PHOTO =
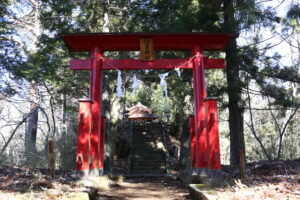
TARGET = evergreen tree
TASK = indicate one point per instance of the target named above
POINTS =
(10, 49)
(234, 89)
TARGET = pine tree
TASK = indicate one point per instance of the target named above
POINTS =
(234, 90)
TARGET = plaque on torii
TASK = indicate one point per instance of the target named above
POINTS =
(205, 148)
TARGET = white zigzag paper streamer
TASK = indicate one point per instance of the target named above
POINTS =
(163, 83)
(135, 84)
(119, 85)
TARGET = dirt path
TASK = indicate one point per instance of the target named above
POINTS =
(147, 189)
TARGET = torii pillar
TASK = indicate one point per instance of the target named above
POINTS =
(90, 147)
(96, 76)
(205, 147)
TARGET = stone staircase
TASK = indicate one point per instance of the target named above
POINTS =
(148, 154)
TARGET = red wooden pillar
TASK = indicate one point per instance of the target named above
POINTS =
(192, 140)
(84, 131)
(200, 111)
(96, 96)
(213, 134)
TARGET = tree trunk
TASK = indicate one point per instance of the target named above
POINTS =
(234, 89)
(32, 124)
(32, 120)
(64, 133)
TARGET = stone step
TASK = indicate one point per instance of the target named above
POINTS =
(149, 145)
(147, 149)
(160, 165)
(151, 162)
(149, 157)
(158, 148)
(146, 125)
(150, 130)
(148, 163)
(146, 129)
(153, 147)
(140, 141)
(147, 152)
(152, 157)
(136, 133)
(150, 152)
(146, 157)
(149, 135)
(145, 140)
(142, 167)
(145, 172)
(142, 137)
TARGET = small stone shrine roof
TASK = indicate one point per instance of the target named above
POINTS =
(140, 112)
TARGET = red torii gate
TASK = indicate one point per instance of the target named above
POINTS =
(205, 148)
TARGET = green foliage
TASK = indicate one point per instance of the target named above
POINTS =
(293, 17)
(175, 16)
(152, 96)
(9, 51)
(57, 16)
(9, 54)
(50, 66)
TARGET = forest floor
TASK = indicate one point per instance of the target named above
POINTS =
(37, 184)
(275, 180)
(265, 180)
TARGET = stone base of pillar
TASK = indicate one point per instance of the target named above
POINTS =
(94, 172)
(91, 172)
(204, 172)
(101, 172)
(83, 173)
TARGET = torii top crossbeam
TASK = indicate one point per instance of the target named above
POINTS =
(131, 41)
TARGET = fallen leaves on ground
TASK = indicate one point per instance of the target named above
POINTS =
(276, 180)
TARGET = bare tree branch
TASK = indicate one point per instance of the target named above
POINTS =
(253, 128)
(274, 118)
(14, 131)
(284, 129)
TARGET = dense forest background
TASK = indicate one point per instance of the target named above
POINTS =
(258, 92)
